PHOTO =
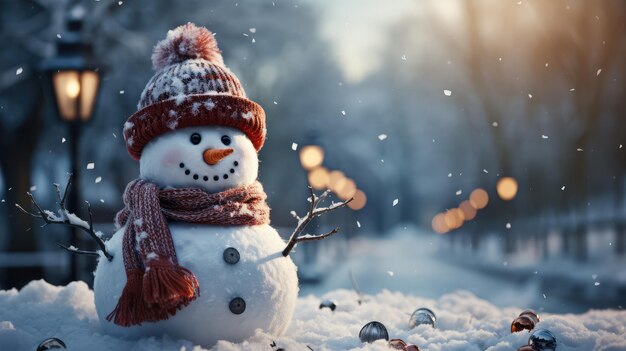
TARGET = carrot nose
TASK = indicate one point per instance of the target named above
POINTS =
(213, 156)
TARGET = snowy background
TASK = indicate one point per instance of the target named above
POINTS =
(419, 103)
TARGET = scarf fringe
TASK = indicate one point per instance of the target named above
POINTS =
(131, 308)
(169, 285)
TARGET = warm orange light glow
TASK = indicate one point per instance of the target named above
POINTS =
(469, 212)
(72, 88)
(311, 156)
(454, 218)
(347, 190)
(336, 181)
(359, 201)
(439, 224)
(507, 188)
(479, 198)
(318, 178)
(75, 93)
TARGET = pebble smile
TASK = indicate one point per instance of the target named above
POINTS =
(195, 176)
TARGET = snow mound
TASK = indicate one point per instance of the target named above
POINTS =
(464, 323)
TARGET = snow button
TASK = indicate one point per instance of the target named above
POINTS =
(237, 305)
(231, 255)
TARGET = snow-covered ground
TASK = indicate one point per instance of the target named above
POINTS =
(398, 274)
(465, 323)
(418, 263)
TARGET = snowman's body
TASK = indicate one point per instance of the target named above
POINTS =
(262, 277)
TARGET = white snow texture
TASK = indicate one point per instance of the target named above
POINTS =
(464, 323)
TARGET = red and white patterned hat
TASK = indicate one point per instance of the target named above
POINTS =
(192, 87)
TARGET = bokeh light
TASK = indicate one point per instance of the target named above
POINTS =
(311, 156)
(439, 224)
(469, 212)
(318, 178)
(347, 190)
(479, 198)
(507, 188)
(454, 218)
(336, 180)
(359, 200)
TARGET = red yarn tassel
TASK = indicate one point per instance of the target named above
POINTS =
(169, 286)
(131, 308)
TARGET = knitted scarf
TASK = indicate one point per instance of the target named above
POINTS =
(157, 286)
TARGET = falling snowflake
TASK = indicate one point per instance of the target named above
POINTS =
(19, 71)
(403, 57)
(530, 96)
(598, 71)
(91, 165)
(382, 137)
(494, 124)
(544, 136)
(484, 170)
(33, 188)
(459, 192)
(508, 226)
(358, 224)
(98, 180)
(596, 283)
(343, 112)
(395, 202)
(252, 30)
(294, 146)
(390, 273)
(563, 188)
(447, 92)
(121, 92)
(449, 175)
(63, 140)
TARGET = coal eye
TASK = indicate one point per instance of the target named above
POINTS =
(225, 140)
(195, 138)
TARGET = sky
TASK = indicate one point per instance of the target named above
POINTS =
(356, 29)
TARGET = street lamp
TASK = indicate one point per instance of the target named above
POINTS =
(73, 75)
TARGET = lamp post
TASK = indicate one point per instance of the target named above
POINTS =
(74, 78)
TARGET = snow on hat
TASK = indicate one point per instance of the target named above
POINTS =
(192, 87)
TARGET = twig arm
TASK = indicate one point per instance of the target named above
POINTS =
(65, 217)
(313, 212)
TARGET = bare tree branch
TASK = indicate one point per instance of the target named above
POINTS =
(76, 251)
(65, 217)
(313, 212)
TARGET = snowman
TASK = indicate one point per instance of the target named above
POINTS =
(194, 256)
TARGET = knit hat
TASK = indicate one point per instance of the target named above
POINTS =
(192, 87)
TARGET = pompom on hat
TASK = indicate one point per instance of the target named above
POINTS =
(192, 87)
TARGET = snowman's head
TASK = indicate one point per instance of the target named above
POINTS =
(211, 158)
